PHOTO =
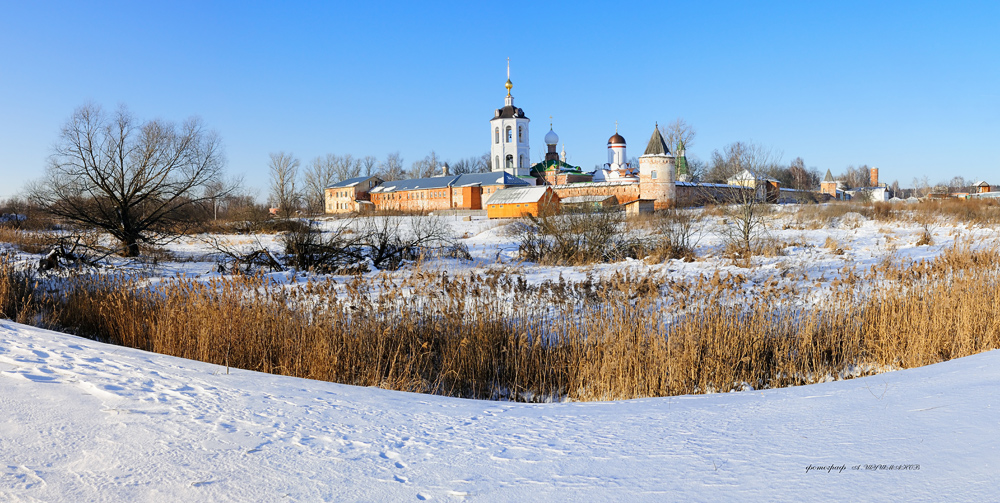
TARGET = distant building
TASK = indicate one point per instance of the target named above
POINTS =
(510, 149)
(554, 170)
(617, 169)
(657, 172)
(349, 196)
(465, 192)
(517, 202)
(767, 189)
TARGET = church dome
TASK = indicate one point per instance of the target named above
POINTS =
(617, 138)
(551, 138)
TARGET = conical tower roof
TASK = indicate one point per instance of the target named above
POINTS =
(828, 177)
(656, 145)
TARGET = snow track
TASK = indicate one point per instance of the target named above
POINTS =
(84, 421)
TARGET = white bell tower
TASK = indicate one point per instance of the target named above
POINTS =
(509, 149)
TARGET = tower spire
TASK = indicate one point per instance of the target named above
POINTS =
(509, 84)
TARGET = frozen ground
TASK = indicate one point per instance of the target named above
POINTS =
(83, 421)
(807, 258)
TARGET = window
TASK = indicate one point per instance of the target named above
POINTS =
(510, 161)
(496, 135)
(496, 163)
(520, 134)
(653, 174)
(509, 135)
(521, 164)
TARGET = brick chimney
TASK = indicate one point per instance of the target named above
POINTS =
(874, 177)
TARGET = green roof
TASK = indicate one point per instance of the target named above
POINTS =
(560, 166)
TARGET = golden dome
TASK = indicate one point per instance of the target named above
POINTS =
(508, 85)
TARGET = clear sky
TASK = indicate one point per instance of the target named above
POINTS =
(910, 87)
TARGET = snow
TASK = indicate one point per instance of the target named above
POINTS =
(84, 421)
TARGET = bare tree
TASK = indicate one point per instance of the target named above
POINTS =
(959, 184)
(137, 181)
(856, 177)
(426, 167)
(284, 170)
(392, 168)
(677, 132)
(369, 165)
(474, 164)
(319, 175)
(921, 186)
(747, 194)
(485, 163)
(346, 166)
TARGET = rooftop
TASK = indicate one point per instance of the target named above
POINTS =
(350, 182)
(656, 145)
(514, 195)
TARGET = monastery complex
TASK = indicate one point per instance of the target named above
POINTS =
(515, 187)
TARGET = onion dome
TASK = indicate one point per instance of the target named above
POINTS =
(551, 138)
(617, 138)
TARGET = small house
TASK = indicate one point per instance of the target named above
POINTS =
(517, 202)
(639, 207)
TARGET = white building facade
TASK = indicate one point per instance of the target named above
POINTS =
(617, 169)
(509, 149)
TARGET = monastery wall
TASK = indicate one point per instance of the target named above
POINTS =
(624, 192)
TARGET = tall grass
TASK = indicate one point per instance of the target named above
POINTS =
(493, 336)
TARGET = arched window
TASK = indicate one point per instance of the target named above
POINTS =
(509, 135)
(520, 134)
(521, 164)
(496, 162)
(496, 135)
(510, 158)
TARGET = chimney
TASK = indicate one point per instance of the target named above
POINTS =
(444, 169)
(874, 177)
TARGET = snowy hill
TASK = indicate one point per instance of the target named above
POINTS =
(84, 421)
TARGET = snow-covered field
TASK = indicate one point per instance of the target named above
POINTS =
(84, 421)
(807, 259)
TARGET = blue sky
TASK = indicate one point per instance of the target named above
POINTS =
(910, 87)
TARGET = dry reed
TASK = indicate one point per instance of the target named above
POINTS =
(493, 336)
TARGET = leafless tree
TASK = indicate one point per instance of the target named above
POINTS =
(426, 167)
(745, 222)
(677, 132)
(485, 163)
(369, 165)
(320, 174)
(346, 166)
(894, 188)
(392, 168)
(474, 164)
(856, 177)
(921, 186)
(138, 181)
(959, 184)
(284, 170)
